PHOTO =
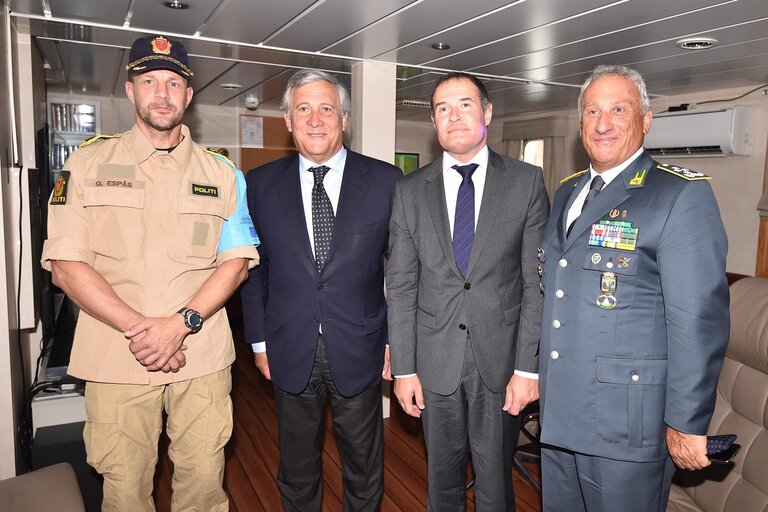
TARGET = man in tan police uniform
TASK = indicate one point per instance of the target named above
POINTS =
(149, 234)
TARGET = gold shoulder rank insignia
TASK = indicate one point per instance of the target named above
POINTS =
(221, 157)
(684, 173)
(574, 175)
(94, 139)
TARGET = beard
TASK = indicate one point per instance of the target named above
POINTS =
(161, 123)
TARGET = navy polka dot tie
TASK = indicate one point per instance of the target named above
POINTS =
(322, 217)
(464, 220)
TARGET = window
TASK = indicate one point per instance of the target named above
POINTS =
(533, 151)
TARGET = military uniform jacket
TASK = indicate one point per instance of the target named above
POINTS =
(636, 319)
(155, 225)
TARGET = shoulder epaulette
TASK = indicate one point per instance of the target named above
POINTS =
(94, 139)
(684, 173)
(219, 156)
(574, 175)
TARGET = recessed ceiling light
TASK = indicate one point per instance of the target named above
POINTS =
(696, 43)
(175, 4)
(231, 87)
(441, 46)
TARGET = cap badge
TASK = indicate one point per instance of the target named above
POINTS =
(161, 45)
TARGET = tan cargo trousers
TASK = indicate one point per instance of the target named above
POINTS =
(122, 432)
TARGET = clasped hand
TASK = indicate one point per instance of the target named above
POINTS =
(157, 343)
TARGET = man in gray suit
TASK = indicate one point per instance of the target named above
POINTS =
(464, 302)
(635, 318)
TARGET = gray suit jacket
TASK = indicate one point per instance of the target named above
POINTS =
(432, 307)
(612, 378)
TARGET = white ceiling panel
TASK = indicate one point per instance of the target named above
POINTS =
(260, 43)
(594, 35)
(153, 16)
(420, 22)
(332, 21)
(251, 22)
(516, 20)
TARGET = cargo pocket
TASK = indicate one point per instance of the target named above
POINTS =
(631, 398)
(115, 221)
(219, 426)
(102, 439)
(198, 229)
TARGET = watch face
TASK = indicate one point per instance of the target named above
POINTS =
(194, 320)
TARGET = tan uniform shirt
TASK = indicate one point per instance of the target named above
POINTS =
(150, 223)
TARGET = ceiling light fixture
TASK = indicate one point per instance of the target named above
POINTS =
(175, 4)
(696, 43)
(231, 87)
(441, 46)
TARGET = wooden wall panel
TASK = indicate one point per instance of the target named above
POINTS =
(278, 143)
(761, 268)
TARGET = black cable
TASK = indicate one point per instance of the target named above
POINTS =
(718, 101)
(733, 99)
(18, 285)
(24, 428)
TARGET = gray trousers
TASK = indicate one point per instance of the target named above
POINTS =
(574, 482)
(471, 417)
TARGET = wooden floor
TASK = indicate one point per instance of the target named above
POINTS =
(252, 456)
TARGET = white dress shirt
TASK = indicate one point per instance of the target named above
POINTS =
(608, 176)
(332, 185)
(451, 181)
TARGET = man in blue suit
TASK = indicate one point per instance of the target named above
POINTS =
(316, 302)
(636, 319)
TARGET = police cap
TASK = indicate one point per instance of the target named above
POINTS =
(157, 52)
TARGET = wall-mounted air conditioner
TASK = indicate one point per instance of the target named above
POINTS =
(693, 133)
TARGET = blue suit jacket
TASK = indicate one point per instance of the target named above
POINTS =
(285, 300)
(612, 378)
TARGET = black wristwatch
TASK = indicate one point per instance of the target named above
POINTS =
(192, 319)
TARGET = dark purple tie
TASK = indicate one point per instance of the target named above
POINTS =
(464, 220)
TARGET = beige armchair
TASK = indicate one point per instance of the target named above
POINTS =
(52, 488)
(742, 409)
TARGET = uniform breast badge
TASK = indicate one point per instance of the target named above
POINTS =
(607, 300)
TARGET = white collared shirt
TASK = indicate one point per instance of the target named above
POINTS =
(608, 176)
(332, 185)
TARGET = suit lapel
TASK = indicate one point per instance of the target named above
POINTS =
(496, 189)
(354, 186)
(610, 197)
(435, 192)
(288, 188)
